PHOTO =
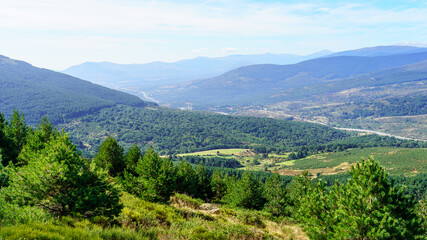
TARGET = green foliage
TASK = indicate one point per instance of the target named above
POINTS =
(275, 195)
(132, 157)
(49, 231)
(369, 206)
(251, 218)
(247, 193)
(183, 200)
(154, 179)
(38, 92)
(37, 141)
(12, 214)
(174, 131)
(407, 161)
(186, 179)
(16, 131)
(219, 185)
(111, 157)
(58, 180)
(204, 189)
(210, 161)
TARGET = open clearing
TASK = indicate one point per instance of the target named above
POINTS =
(407, 161)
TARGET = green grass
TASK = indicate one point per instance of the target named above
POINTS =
(408, 161)
(214, 152)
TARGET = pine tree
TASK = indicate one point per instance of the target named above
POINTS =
(37, 140)
(60, 181)
(132, 157)
(247, 193)
(204, 189)
(16, 131)
(372, 207)
(111, 157)
(186, 179)
(369, 206)
(275, 194)
(155, 179)
(219, 185)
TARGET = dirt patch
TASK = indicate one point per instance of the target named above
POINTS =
(391, 153)
(245, 153)
(343, 167)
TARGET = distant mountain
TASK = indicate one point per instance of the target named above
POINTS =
(379, 51)
(37, 92)
(155, 74)
(259, 84)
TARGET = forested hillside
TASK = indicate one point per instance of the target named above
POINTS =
(49, 191)
(267, 84)
(175, 131)
(37, 92)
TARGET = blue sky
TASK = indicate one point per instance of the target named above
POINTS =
(56, 34)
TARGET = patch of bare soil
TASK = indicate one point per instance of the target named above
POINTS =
(245, 153)
(343, 167)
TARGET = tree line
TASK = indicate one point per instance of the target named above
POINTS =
(47, 175)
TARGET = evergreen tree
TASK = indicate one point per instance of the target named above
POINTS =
(16, 131)
(3, 140)
(37, 140)
(247, 193)
(60, 181)
(219, 185)
(275, 194)
(372, 207)
(186, 179)
(155, 179)
(110, 157)
(204, 189)
(369, 206)
(132, 157)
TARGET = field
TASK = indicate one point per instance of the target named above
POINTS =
(396, 160)
(407, 161)
(216, 152)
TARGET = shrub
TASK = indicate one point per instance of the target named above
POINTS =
(183, 200)
(250, 218)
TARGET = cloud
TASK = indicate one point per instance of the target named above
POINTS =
(149, 30)
(199, 51)
(214, 17)
(414, 44)
(228, 50)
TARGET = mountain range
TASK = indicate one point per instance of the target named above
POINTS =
(37, 92)
(152, 75)
(264, 83)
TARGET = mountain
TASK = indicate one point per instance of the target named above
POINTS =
(379, 51)
(154, 74)
(37, 92)
(259, 84)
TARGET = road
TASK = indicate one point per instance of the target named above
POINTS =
(378, 133)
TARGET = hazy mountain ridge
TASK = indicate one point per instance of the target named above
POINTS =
(255, 84)
(154, 74)
(379, 51)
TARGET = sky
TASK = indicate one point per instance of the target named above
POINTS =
(57, 34)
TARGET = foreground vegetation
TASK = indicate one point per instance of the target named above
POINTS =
(49, 191)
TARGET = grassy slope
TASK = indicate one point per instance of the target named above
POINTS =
(184, 218)
(407, 161)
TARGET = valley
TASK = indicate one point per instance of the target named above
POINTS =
(250, 154)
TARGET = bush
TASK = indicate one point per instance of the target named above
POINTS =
(250, 218)
(183, 200)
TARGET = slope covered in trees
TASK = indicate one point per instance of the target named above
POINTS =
(37, 92)
(266, 84)
(56, 194)
(175, 131)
